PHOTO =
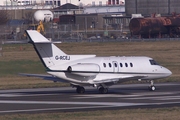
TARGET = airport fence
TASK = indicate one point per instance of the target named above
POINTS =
(56, 32)
(71, 33)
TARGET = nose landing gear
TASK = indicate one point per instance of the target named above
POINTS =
(152, 87)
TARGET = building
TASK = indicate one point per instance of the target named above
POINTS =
(148, 7)
(67, 9)
(61, 2)
(93, 2)
(104, 9)
(92, 17)
(29, 2)
(102, 21)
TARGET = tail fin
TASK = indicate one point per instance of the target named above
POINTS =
(51, 56)
(46, 50)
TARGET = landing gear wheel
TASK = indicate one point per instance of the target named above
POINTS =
(152, 88)
(103, 90)
(80, 89)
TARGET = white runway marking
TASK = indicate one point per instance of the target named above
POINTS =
(157, 98)
(158, 93)
(50, 109)
(125, 96)
(20, 95)
(103, 95)
(67, 103)
(93, 105)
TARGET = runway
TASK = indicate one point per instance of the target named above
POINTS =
(66, 99)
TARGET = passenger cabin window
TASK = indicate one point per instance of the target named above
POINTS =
(115, 64)
(153, 62)
(121, 65)
(110, 65)
(104, 64)
(131, 64)
(126, 64)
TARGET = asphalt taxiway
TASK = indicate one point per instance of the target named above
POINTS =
(66, 99)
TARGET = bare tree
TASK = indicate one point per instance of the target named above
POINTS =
(28, 16)
(4, 17)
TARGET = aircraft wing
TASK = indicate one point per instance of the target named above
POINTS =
(43, 76)
(105, 81)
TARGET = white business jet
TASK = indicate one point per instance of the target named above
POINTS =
(89, 70)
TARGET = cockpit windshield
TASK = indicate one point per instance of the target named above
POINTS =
(153, 62)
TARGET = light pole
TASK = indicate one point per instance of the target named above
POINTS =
(6, 5)
(12, 6)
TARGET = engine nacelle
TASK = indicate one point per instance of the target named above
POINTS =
(84, 69)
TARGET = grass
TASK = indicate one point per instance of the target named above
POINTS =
(126, 114)
(17, 66)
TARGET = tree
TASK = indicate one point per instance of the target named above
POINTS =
(4, 17)
(28, 16)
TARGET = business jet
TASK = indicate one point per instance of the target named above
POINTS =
(89, 70)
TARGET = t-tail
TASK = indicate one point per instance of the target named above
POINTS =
(49, 53)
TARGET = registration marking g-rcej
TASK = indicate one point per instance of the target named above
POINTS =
(62, 57)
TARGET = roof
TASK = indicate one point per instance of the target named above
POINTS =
(67, 6)
(17, 22)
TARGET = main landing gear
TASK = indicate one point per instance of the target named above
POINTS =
(103, 90)
(80, 89)
(152, 87)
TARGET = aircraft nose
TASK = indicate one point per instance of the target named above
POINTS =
(168, 72)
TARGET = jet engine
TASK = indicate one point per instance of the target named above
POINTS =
(84, 69)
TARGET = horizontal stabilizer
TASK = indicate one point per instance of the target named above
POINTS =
(36, 37)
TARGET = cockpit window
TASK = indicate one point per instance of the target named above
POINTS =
(153, 62)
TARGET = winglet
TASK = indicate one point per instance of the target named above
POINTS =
(36, 37)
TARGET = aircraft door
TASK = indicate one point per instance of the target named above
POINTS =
(115, 66)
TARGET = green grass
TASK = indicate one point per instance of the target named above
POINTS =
(9, 68)
(126, 114)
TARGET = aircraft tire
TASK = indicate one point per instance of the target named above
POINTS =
(80, 90)
(103, 90)
(152, 88)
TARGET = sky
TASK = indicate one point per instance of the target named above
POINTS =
(85, 2)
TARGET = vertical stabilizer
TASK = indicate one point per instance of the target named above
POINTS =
(47, 51)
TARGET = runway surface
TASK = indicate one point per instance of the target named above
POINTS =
(66, 99)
